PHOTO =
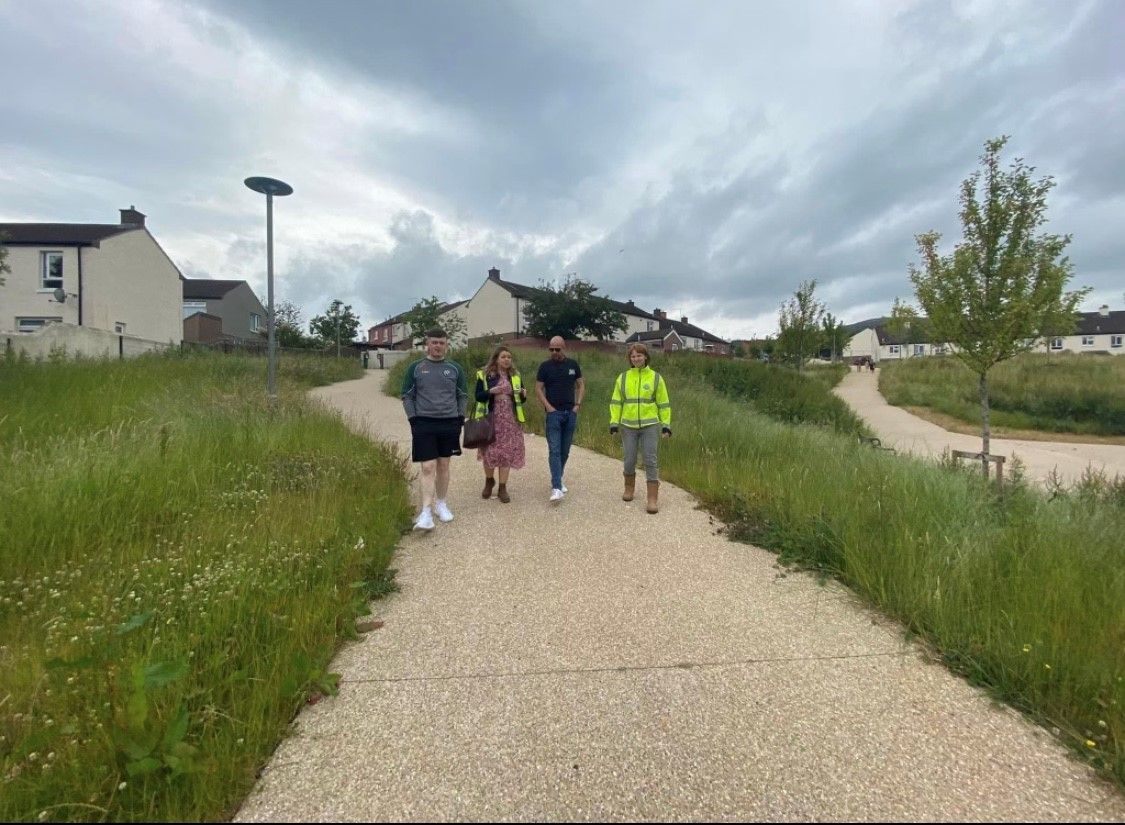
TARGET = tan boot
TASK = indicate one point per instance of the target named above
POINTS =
(653, 492)
(502, 494)
(630, 486)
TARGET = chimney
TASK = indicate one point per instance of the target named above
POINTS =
(494, 274)
(1103, 310)
(661, 314)
(683, 319)
(131, 217)
(630, 302)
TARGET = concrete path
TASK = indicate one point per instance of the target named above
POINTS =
(591, 662)
(910, 434)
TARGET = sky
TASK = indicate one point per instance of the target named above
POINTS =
(701, 157)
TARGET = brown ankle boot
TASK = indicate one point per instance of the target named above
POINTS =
(653, 492)
(630, 486)
(502, 493)
(487, 491)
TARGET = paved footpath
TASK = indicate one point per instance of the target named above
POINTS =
(591, 662)
(910, 434)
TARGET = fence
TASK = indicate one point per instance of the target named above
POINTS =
(71, 341)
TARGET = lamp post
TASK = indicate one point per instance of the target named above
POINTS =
(270, 187)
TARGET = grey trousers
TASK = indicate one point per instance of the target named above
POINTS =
(649, 439)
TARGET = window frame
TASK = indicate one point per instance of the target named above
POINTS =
(44, 258)
(44, 321)
(1115, 341)
(895, 349)
(1087, 340)
(198, 306)
(1056, 343)
(255, 322)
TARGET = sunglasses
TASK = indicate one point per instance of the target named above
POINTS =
(554, 349)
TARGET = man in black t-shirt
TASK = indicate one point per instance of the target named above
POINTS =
(561, 388)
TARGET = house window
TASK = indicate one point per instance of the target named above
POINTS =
(696, 343)
(52, 270)
(895, 349)
(34, 324)
(1087, 340)
(648, 326)
(1056, 343)
(1115, 341)
(255, 322)
(119, 327)
(919, 349)
(192, 307)
(939, 349)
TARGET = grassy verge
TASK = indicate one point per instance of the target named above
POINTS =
(1022, 594)
(178, 566)
(1054, 393)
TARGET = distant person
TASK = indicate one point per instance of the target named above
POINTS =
(560, 388)
(640, 409)
(435, 398)
(500, 392)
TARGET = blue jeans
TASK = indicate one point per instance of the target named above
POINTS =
(560, 434)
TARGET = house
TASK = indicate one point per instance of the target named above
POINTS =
(241, 316)
(109, 277)
(1102, 332)
(666, 340)
(691, 337)
(396, 333)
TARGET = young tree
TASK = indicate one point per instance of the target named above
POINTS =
(287, 325)
(338, 324)
(800, 336)
(832, 334)
(1001, 291)
(908, 325)
(427, 314)
(5, 268)
(571, 310)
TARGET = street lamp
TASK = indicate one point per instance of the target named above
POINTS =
(270, 187)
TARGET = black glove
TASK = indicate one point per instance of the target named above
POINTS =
(613, 429)
(667, 430)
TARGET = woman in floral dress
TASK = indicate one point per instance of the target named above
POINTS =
(500, 392)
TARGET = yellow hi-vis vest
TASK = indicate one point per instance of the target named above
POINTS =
(517, 384)
(640, 398)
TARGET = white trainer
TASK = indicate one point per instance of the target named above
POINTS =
(563, 488)
(556, 496)
(443, 511)
(425, 520)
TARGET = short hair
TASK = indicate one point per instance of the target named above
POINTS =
(638, 347)
(436, 332)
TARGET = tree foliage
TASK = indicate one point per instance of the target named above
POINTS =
(800, 335)
(5, 267)
(1000, 292)
(572, 310)
(427, 314)
(287, 326)
(339, 325)
(833, 335)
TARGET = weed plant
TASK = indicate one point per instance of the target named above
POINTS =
(1065, 393)
(177, 565)
(1022, 593)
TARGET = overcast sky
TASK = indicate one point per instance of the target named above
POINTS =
(702, 157)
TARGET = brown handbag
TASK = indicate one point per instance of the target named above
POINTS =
(478, 432)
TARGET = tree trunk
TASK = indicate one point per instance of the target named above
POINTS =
(985, 432)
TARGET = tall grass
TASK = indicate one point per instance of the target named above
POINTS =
(1062, 393)
(177, 566)
(1022, 594)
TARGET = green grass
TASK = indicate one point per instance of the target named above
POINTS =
(1021, 593)
(1080, 394)
(179, 564)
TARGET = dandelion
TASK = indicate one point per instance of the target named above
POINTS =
(1090, 743)
(1046, 666)
(1027, 648)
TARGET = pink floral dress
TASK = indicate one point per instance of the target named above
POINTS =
(507, 450)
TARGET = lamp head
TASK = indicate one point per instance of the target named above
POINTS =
(269, 186)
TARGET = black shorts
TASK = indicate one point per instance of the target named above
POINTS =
(435, 438)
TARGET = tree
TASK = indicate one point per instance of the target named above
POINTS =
(287, 325)
(832, 334)
(572, 310)
(427, 314)
(1001, 291)
(908, 325)
(338, 324)
(4, 266)
(801, 336)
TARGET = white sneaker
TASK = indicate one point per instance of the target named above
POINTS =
(443, 511)
(563, 488)
(556, 495)
(425, 520)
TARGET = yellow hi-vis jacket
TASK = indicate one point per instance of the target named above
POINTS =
(640, 398)
(517, 398)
